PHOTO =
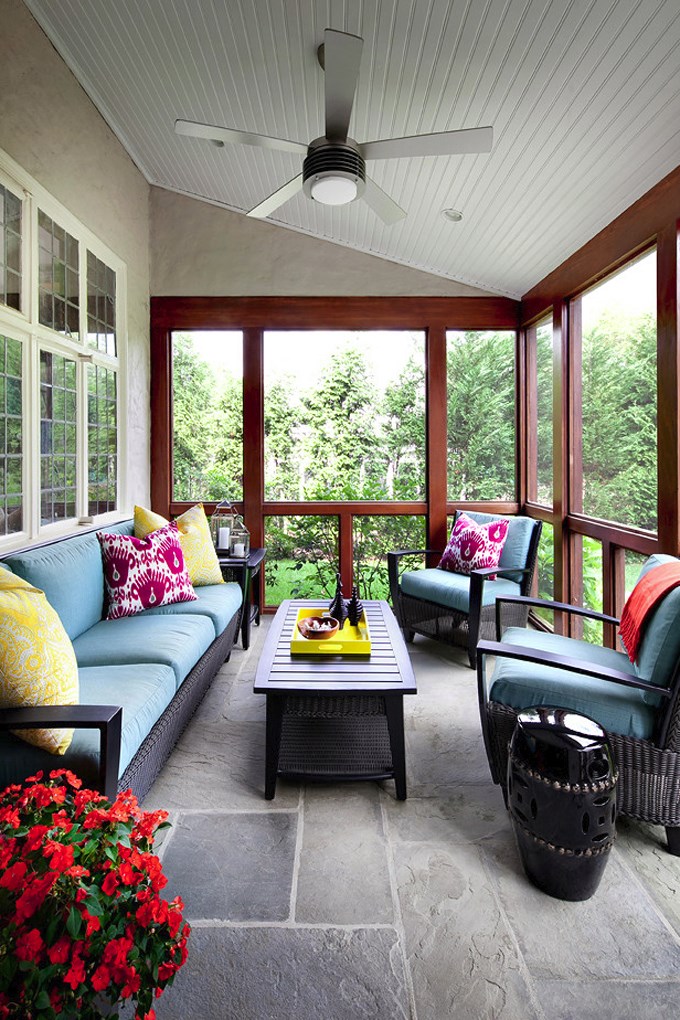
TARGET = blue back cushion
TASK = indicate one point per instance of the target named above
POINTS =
(517, 541)
(71, 574)
(660, 648)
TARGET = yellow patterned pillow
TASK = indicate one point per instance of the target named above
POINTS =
(37, 662)
(194, 537)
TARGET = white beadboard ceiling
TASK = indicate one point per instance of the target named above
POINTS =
(583, 96)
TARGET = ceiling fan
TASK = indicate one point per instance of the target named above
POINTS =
(334, 167)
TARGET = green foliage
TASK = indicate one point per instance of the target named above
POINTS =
(207, 427)
(481, 416)
(619, 421)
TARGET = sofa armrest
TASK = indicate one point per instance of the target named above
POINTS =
(105, 718)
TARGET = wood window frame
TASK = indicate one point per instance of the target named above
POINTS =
(253, 316)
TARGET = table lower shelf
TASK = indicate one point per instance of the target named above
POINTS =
(341, 747)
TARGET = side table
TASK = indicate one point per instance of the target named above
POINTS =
(245, 571)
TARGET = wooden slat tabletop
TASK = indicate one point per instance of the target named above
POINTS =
(388, 668)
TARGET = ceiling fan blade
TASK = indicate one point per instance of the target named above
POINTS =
(277, 199)
(381, 203)
(341, 59)
(445, 143)
(214, 133)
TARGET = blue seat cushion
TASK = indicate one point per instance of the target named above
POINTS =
(219, 602)
(72, 576)
(177, 641)
(520, 685)
(143, 689)
(452, 590)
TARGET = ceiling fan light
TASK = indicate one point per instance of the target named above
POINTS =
(333, 190)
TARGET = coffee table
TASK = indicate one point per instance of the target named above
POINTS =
(335, 717)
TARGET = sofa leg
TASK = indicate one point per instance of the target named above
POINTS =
(472, 656)
(673, 837)
(408, 635)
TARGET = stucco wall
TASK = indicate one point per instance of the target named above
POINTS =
(200, 249)
(50, 127)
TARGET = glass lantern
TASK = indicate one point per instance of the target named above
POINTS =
(221, 525)
(239, 539)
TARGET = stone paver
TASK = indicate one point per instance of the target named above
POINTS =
(461, 953)
(289, 974)
(343, 876)
(232, 867)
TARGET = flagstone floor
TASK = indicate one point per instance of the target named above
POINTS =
(338, 902)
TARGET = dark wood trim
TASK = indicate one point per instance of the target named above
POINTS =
(161, 420)
(527, 410)
(562, 552)
(627, 538)
(253, 429)
(668, 389)
(437, 437)
(334, 312)
(629, 234)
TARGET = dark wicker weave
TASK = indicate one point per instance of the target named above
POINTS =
(649, 771)
(326, 737)
(418, 616)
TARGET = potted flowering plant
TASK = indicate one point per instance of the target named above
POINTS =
(83, 925)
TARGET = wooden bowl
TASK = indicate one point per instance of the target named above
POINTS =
(318, 628)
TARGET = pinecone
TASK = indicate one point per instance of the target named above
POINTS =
(355, 607)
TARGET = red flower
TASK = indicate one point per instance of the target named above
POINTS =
(70, 778)
(101, 978)
(60, 855)
(110, 884)
(10, 816)
(35, 837)
(76, 973)
(61, 820)
(13, 877)
(59, 952)
(31, 899)
(93, 923)
(77, 871)
(29, 945)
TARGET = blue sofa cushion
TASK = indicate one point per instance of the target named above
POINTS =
(452, 590)
(517, 541)
(660, 648)
(143, 689)
(72, 576)
(177, 641)
(217, 601)
(620, 709)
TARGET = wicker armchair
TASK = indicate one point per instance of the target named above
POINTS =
(638, 704)
(458, 609)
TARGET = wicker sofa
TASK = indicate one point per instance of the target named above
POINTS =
(141, 678)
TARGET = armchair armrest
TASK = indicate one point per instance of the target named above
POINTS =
(564, 607)
(105, 718)
(546, 658)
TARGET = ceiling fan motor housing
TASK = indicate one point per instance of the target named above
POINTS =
(333, 159)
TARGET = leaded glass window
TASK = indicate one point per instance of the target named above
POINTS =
(10, 249)
(58, 451)
(101, 305)
(11, 437)
(102, 439)
(59, 300)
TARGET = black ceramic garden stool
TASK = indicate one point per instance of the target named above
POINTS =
(562, 800)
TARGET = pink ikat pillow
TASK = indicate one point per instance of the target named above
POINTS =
(144, 572)
(472, 546)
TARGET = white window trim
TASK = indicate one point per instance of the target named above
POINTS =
(24, 326)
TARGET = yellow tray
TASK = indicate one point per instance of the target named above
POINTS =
(348, 641)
